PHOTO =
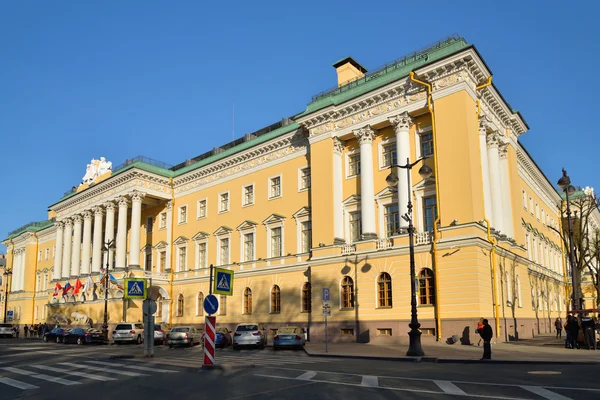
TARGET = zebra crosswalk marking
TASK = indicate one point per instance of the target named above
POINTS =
(17, 384)
(44, 377)
(112, 371)
(74, 373)
(132, 367)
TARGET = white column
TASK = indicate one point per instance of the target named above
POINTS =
(507, 214)
(97, 242)
(169, 232)
(338, 210)
(122, 232)
(401, 124)
(76, 257)
(58, 254)
(485, 170)
(109, 232)
(367, 191)
(496, 187)
(67, 248)
(136, 223)
(14, 287)
(87, 243)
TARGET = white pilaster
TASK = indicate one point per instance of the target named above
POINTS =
(506, 195)
(496, 187)
(367, 191)
(97, 242)
(87, 243)
(122, 233)
(16, 280)
(169, 232)
(67, 248)
(485, 170)
(76, 255)
(401, 124)
(109, 232)
(338, 210)
(58, 254)
(136, 223)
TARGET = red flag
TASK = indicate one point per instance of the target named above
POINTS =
(56, 289)
(78, 286)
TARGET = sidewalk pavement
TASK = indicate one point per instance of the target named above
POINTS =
(545, 351)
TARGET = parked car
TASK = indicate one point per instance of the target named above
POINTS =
(222, 338)
(249, 335)
(160, 336)
(288, 337)
(6, 330)
(83, 336)
(126, 332)
(183, 335)
(55, 335)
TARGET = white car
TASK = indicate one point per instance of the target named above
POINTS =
(6, 330)
(126, 332)
(249, 335)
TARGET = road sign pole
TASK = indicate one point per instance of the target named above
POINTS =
(326, 334)
(210, 283)
(209, 340)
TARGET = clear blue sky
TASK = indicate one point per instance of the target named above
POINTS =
(82, 79)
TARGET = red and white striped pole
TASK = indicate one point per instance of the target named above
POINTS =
(209, 340)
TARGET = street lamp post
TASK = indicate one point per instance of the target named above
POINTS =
(414, 348)
(6, 274)
(107, 248)
(565, 184)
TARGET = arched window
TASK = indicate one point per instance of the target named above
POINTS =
(199, 304)
(347, 292)
(159, 301)
(509, 291)
(426, 287)
(275, 299)
(384, 292)
(180, 305)
(306, 298)
(247, 301)
(519, 297)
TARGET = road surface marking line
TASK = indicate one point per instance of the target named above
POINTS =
(131, 366)
(17, 384)
(307, 376)
(44, 377)
(449, 387)
(545, 393)
(112, 371)
(370, 381)
(74, 373)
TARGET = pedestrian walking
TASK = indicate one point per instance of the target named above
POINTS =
(17, 331)
(588, 326)
(25, 331)
(559, 327)
(486, 334)
(478, 330)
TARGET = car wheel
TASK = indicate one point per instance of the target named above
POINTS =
(57, 339)
(139, 340)
(79, 341)
(45, 339)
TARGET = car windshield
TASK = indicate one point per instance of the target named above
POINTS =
(247, 328)
(77, 330)
(123, 327)
(222, 330)
(180, 330)
(157, 328)
(288, 329)
(5, 326)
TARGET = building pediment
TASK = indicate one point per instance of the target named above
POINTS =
(160, 245)
(302, 213)
(246, 225)
(223, 230)
(181, 240)
(274, 219)
(201, 236)
(352, 200)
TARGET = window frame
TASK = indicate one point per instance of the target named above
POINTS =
(270, 187)
(275, 297)
(348, 156)
(247, 305)
(381, 146)
(384, 290)
(162, 222)
(347, 295)
(301, 180)
(199, 215)
(426, 281)
(149, 224)
(180, 220)
(221, 194)
(306, 297)
(180, 305)
(244, 195)
(178, 255)
(199, 304)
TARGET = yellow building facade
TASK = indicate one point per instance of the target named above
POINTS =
(304, 205)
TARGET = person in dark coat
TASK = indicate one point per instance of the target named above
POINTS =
(486, 334)
(589, 332)
(572, 328)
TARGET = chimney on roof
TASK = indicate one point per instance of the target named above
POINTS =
(348, 70)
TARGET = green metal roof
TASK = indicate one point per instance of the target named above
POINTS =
(30, 227)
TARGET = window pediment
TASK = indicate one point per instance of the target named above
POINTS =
(274, 219)
(160, 245)
(352, 200)
(147, 248)
(223, 230)
(181, 240)
(385, 193)
(247, 224)
(302, 213)
(424, 184)
(201, 235)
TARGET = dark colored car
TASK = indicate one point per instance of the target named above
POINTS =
(83, 336)
(55, 335)
(222, 339)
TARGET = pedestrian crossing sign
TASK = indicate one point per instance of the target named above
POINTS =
(223, 282)
(135, 288)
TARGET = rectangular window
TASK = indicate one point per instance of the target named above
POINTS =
(355, 226)
(347, 332)
(537, 211)
(354, 165)
(276, 248)
(47, 254)
(384, 332)
(304, 179)
(162, 224)
(429, 213)
(148, 260)
(249, 247)
(38, 286)
(149, 224)
(222, 305)
(201, 212)
(306, 236)
(224, 203)
(182, 258)
(182, 214)
(45, 284)
(201, 255)
(426, 144)
(40, 255)
(389, 154)
(524, 198)
(392, 219)
(224, 251)
(248, 195)
(163, 261)
(531, 205)
(275, 187)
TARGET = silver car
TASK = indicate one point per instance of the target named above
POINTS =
(126, 332)
(6, 330)
(183, 335)
(249, 335)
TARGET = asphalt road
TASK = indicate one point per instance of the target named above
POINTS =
(36, 370)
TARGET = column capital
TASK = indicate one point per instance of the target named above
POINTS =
(137, 196)
(109, 206)
(401, 122)
(68, 222)
(60, 225)
(365, 134)
(484, 124)
(77, 219)
(492, 139)
(98, 210)
(123, 201)
(503, 151)
(169, 204)
(338, 145)
(87, 215)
